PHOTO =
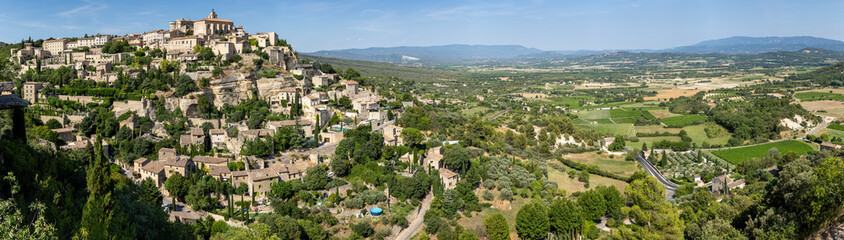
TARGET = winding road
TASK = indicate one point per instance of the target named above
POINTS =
(670, 186)
(416, 225)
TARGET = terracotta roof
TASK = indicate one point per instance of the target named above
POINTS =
(262, 174)
(154, 167)
(735, 183)
(181, 161)
(196, 131)
(219, 170)
(447, 173)
(289, 123)
(167, 150)
(217, 131)
(209, 160)
(349, 82)
(185, 139)
(56, 40)
(239, 174)
(141, 160)
(434, 153)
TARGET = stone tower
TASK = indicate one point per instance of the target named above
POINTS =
(212, 15)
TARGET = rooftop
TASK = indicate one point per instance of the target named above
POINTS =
(209, 160)
(154, 167)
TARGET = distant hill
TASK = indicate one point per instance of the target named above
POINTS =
(754, 45)
(430, 54)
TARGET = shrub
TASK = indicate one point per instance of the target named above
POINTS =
(488, 196)
(489, 184)
(506, 194)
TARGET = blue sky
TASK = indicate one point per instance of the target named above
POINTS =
(312, 25)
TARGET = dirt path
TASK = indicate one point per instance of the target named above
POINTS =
(416, 225)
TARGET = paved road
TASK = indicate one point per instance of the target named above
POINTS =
(416, 225)
(670, 187)
(499, 114)
(650, 169)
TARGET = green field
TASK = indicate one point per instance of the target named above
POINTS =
(817, 96)
(682, 121)
(625, 129)
(651, 140)
(838, 127)
(594, 114)
(830, 133)
(698, 135)
(738, 155)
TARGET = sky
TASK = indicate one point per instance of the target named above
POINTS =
(312, 25)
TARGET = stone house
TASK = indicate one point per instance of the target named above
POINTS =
(218, 137)
(720, 183)
(449, 178)
(433, 158)
(181, 165)
(155, 171)
(166, 154)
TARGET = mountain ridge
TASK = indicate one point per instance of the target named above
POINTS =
(474, 52)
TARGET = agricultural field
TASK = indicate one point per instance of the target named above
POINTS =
(616, 165)
(682, 121)
(699, 136)
(656, 129)
(594, 114)
(651, 140)
(672, 93)
(817, 96)
(829, 108)
(738, 155)
(687, 164)
(622, 129)
(476, 110)
(836, 126)
(572, 185)
(831, 133)
(663, 113)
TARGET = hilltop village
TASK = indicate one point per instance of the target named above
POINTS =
(206, 107)
(205, 131)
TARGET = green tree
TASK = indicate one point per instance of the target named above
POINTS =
(312, 230)
(592, 204)
(316, 178)
(411, 136)
(98, 210)
(564, 216)
(828, 189)
(149, 193)
(496, 227)
(53, 124)
(363, 229)
(532, 221)
(652, 216)
(178, 186)
(456, 158)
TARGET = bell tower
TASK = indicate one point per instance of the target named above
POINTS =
(212, 15)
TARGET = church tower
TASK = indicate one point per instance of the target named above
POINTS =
(212, 15)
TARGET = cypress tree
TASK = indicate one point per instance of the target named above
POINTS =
(98, 210)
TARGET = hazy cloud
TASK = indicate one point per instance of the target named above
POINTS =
(89, 8)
